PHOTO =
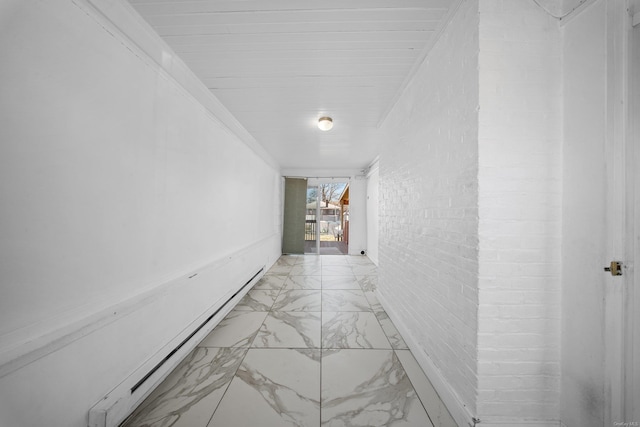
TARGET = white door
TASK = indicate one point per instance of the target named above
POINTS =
(622, 296)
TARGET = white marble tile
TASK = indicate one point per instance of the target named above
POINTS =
(259, 300)
(359, 259)
(368, 388)
(390, 331)
(368, 283)
(334, 260)
(280, 270)
(270, 282)
(237, 329)
(303, 282)
(344, 300)
(189, 395)
(438, 413)
(298, 300)
(306, 270)
(278, 384)
(364, 270)
(289, 260)
(273, 388)
(309, 260)
(352, 329)
(289, 329)
(337, 270)
(373, 301)
(340, 282)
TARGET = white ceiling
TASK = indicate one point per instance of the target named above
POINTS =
(279, 65)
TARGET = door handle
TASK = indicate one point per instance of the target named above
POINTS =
(615, 268)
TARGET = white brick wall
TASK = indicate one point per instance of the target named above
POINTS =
(470, 193)
(520, 160)
(428, 206)
(373, 179)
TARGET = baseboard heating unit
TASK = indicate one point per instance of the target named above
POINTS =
(114, 408)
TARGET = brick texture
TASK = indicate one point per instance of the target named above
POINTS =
(520, 160)
(470, 210)
(428, 205)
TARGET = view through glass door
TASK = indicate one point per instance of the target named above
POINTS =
(327, 218)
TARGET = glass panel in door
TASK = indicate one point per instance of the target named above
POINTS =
(327, 218)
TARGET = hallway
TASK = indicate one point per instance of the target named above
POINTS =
(309, 345)
(492, 151)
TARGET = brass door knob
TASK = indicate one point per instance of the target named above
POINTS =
(615, 268)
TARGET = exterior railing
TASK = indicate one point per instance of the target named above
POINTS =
(310, 229)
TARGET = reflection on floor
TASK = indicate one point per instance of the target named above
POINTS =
(309, 345)
(326, 247)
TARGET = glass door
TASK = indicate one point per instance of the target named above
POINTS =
(327, 213)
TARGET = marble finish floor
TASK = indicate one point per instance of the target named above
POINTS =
(309, 345)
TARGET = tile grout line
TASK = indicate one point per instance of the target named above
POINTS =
(228, 385)
(250, 343)
(321, 344)
(415, 390)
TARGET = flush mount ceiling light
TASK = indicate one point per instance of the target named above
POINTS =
(325, 123)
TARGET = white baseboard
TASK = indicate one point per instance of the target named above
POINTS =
(31, 344)
(506, 422)
(454, 404)
(458, 410)
(120, 402)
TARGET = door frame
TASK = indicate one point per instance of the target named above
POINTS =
(317, 182)
(622, 218)
(631, 291)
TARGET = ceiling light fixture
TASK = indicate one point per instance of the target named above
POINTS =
(325, 123)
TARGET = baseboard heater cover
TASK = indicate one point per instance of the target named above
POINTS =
(191, 335)
(113, 414)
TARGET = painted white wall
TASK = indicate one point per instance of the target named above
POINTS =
(357, 214)
(428, 195)
(116, 181)
(584, 218)
(520, 189)
(373, 182)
